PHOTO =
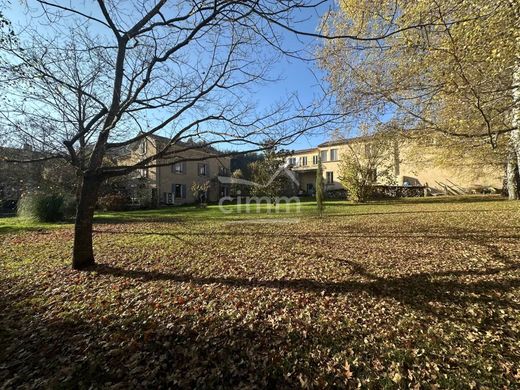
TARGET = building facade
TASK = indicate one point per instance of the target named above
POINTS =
(405, 163)
(170, 181)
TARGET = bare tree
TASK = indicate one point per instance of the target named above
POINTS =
(86, 80)
(96, 80)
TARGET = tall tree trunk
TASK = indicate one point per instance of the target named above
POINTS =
(513, 175)
(513, 163)
(83, 253)
(514, 137)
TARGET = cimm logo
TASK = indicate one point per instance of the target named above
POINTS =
(254, 203)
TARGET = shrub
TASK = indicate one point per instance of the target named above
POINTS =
(144, 198)
(41, 207)
(356, 177)
(200, 192)
(113, 202)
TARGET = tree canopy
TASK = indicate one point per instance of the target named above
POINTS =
(453, 75)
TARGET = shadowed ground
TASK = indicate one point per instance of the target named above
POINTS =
(383, 295)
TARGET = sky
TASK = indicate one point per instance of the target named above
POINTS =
(295, 76)
(301, 77)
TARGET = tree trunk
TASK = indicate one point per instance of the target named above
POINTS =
(512, 176)
(513, 158)
(513, 161)
(83, 253)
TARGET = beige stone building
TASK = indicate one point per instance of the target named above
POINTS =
(17, 178)
(408, 164)
(171, 182)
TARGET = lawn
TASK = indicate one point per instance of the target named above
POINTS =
(419, 293)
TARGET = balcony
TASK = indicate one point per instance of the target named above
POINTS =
(298, 167)
(224, 172)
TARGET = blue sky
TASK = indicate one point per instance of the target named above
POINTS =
(296, 76)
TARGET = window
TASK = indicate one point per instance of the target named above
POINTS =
(223, 171)
(143, 146)
(179, 191)
(224, 190)
(303, 161)
(178, 167)
(291, 160)
(323, 156)
(333, 154)
(203, 169)
(315, 159)
(144, 173)
(330, 177)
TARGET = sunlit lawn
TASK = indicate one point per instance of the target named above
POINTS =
(387, 294)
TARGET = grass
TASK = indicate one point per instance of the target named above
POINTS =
(385, 295)
(15, 225)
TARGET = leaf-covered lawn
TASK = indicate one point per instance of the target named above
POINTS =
(414, 294)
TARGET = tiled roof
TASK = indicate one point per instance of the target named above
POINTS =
(343, 141)
(187, 144)
(336, 142)
(305, 150)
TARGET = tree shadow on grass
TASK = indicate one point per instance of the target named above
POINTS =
(218, 351)
(459, 235)
(448, 199)
(416, 290)
(14, 229)
(123, 219)
(458, 287)
(79, 353)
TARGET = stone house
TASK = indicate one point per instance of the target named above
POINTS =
(408, 163)
(170, 182)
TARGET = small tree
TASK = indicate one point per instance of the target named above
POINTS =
(266, 173)
(356, 177)
(361, 165)
(200, 192)
(320, 195)
(236, 189)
